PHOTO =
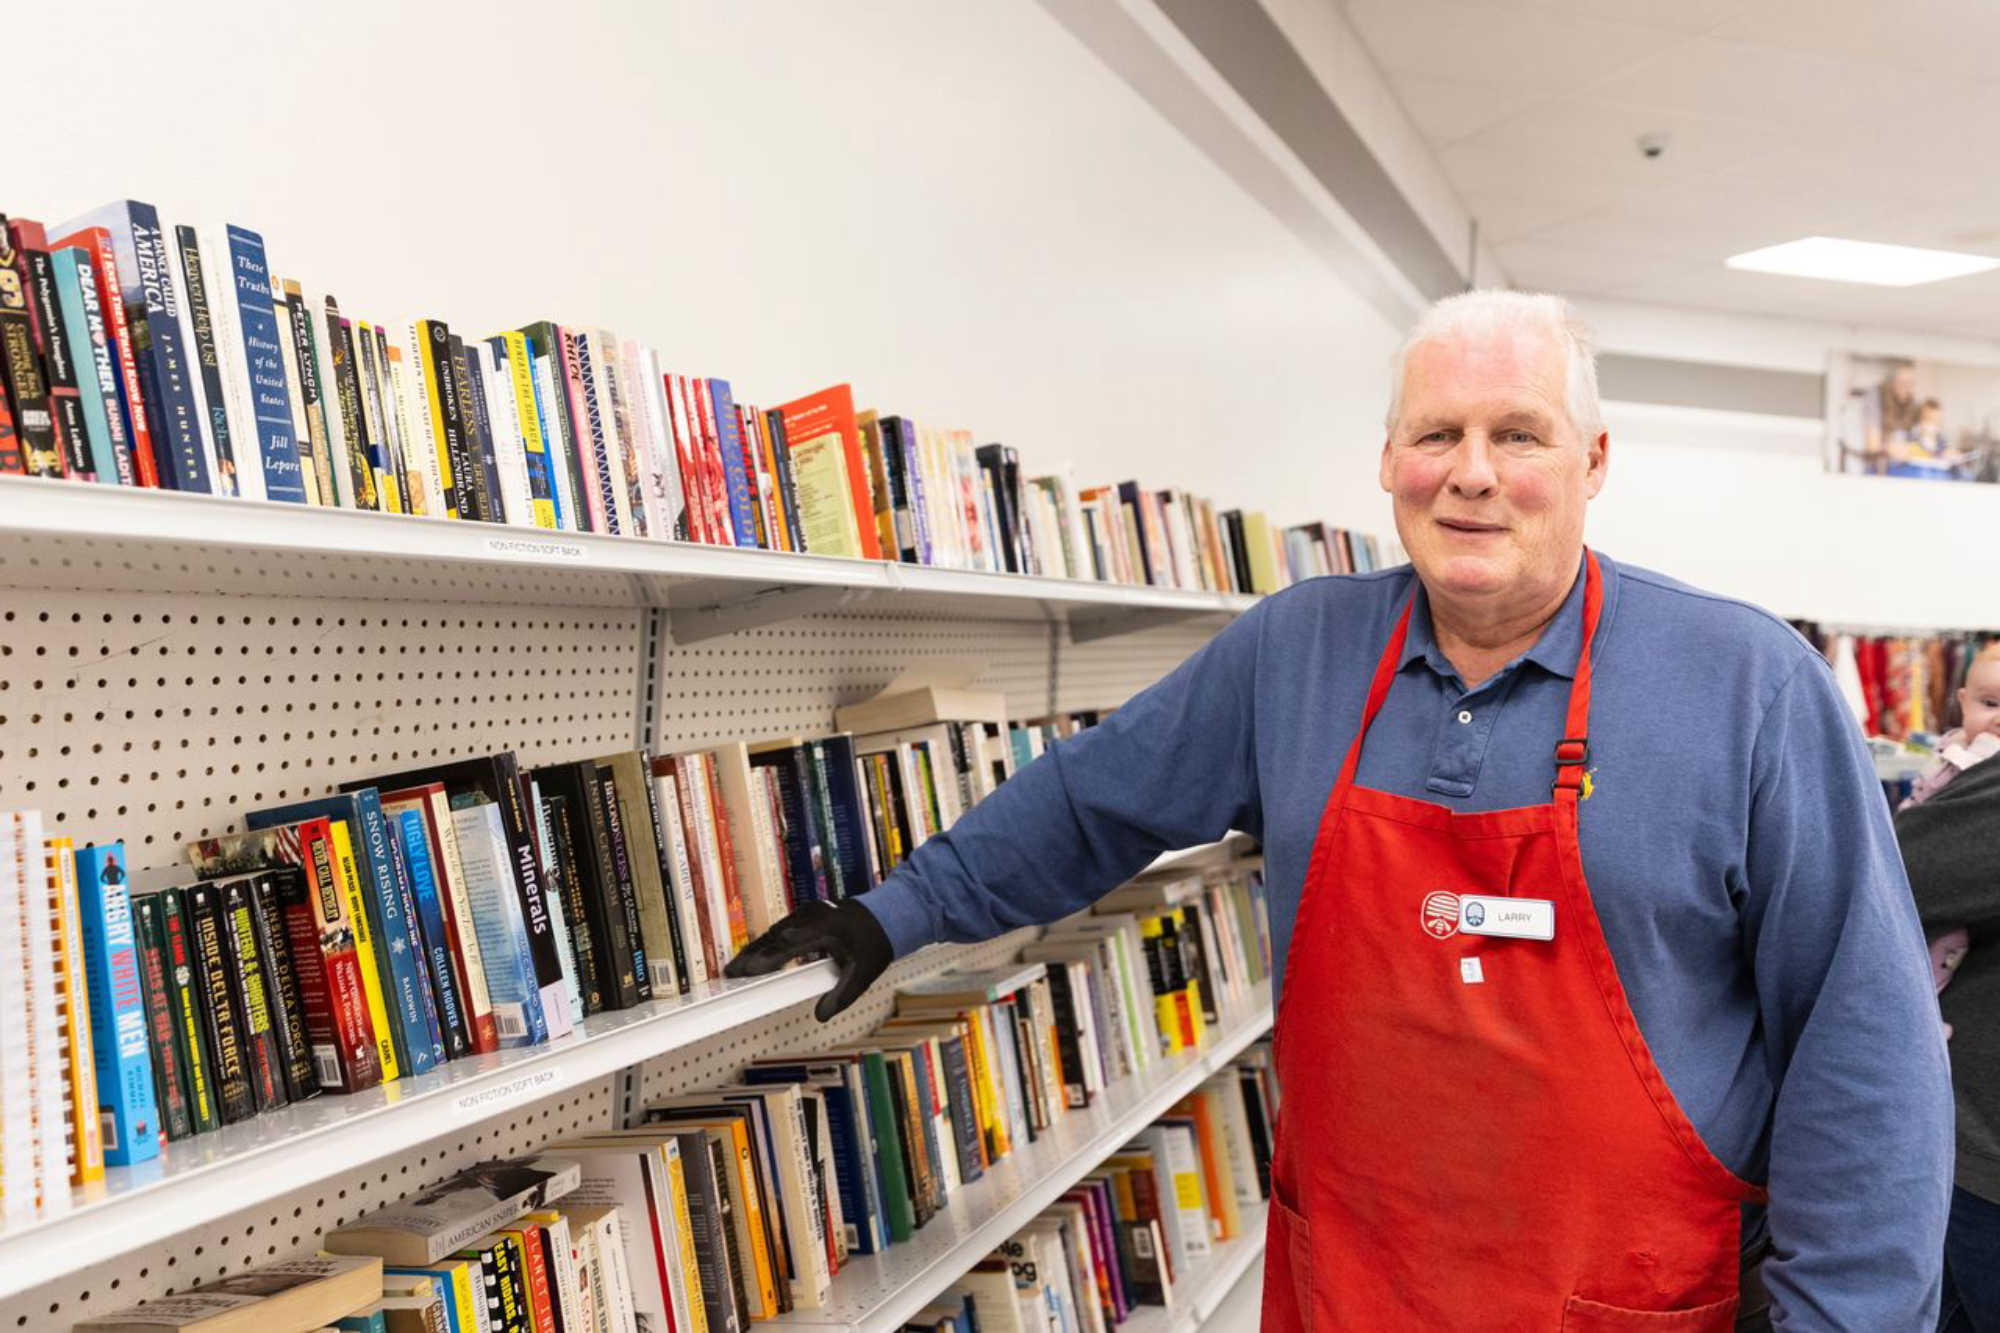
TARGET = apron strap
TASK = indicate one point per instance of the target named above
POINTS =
(1378, 691)
(1573, 750)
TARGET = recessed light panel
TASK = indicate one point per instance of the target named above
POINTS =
(1837, 260)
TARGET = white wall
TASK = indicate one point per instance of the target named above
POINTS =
(954, 206)
(1743, 505)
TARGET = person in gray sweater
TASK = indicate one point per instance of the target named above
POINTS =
(1951, 848)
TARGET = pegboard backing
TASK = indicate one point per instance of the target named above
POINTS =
(292, 1224)
(160, 716)
(157, 719)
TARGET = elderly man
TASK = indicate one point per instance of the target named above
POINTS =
(1714, 1041)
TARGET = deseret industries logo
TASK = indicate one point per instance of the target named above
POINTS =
(1440, 915)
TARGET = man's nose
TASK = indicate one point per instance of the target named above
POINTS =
(1472, 473)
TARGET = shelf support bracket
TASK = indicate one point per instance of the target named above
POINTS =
(1088, 627)
(724, 608)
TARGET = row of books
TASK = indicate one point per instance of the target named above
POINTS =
(1130, 1230)
(147, 354)
(741, 1203)
(353, 940)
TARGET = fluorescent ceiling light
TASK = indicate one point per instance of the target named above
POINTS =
(1860, 261)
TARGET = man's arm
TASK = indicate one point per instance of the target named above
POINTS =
(1173, 767)
(1951, 848)
(1861, 1137)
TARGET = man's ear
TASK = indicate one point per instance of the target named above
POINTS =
(1385, 472)
(1600, 462)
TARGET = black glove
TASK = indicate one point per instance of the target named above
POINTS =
(846, 932)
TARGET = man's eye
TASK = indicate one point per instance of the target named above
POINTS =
(1517, 437)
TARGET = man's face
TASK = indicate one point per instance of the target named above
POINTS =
(1979, 699)
(1904, 382)
(1489, 476)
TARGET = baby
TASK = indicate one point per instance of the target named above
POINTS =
(1975, 741)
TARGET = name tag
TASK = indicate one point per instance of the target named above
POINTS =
(1508, 918)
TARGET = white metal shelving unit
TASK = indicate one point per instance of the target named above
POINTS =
(878, 1293)
(170, 661)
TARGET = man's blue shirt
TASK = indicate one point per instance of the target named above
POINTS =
(1736, 842)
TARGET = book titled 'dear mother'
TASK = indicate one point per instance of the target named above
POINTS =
(435, 1224)
(293, 1293)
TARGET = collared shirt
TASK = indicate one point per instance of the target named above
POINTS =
(1736, 842)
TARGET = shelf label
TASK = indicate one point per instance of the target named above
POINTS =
(526, 548)
(487, 1100)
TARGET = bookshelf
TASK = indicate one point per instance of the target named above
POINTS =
(174, 660)
(877, 1293)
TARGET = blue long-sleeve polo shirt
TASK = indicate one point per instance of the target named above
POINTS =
(1736, 842)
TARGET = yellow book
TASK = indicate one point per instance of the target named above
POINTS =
(751, 1209)
(690, 1268)
(374, 407)
(1182, 923)
(826, 504)
(431, 341)
(521, 370)
(1257, 543)
(73, 999)
(364, 946)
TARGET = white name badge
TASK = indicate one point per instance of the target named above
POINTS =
(1508, 918)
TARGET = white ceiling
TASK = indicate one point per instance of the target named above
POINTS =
(1872, 119)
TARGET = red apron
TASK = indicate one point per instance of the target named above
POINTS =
(1478, 1145)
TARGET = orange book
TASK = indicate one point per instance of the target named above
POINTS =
(732, 892)
(1199, 1107)
(73, 998)
(830, 412)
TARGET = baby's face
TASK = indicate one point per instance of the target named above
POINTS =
(1980, 699)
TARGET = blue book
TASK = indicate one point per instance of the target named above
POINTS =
(551, 460)
(741, 485)
(165, 366)
(124, 1059)
(368, 1321)
(96, 373)
(850, 816)
(483, 854)
(399, 961)
(270, 392)
(414, 850)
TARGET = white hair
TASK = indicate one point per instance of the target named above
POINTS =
(1489, 311)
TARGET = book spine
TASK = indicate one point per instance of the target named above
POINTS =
(282, 989)
(236, 918)
(534, 903)
(270, 392)
(36, 432)
(596, 945)
(585, 447)
(534, 443)
(721, 409)
(126, 1109)
(233, 1092)
(87, 1163)
(170, 1084)
(433, 932)
(626, 412)
(401, 936)
(552, 381)
(681, 420)
(708, 925)
(385, 450)
(431, 344)
(310, 408)
(535, 1276)
(830, 835)
(625, 909)
(481, 442)
(758, 477)
(503, 940)
(663, 954)
(339, 847)
(83, 316)
(594, 440)
(60, 366)
(364, 471)
(330, 993)
(722, 529)
(724, 858)
(171, 396)
(468, 955)
(206, 354)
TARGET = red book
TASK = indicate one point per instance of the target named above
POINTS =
(725, 851)
(535, 1264)
(714, 481)
(685, 454)
(96, 242)
(831, 412)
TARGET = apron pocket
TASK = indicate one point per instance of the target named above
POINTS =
(1583, 1316)
(1288, 1271)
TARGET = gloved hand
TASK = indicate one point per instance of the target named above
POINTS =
(846, 932)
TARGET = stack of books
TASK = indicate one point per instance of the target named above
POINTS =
(308, 1293)
(138, 352)
(1145, 1219)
